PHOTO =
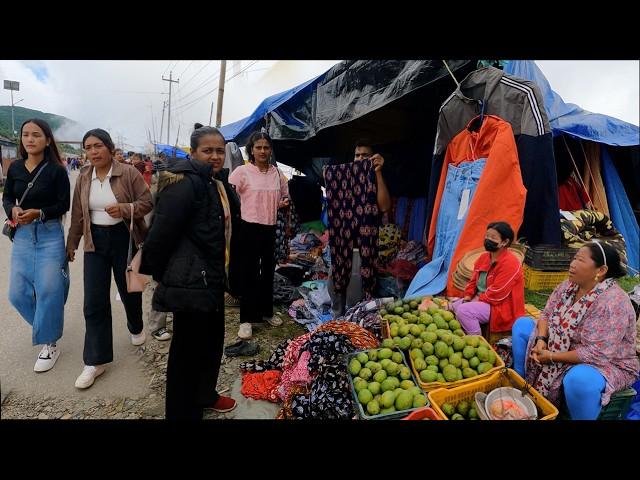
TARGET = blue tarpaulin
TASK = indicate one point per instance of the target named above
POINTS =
(170, 150)
(620, 210)
(570, 118)
(567, 118)
(240, 131)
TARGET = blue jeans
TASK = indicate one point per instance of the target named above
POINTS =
(432, 278)
(38, 281)
(582, 384)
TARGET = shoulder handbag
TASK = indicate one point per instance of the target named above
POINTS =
(9, 227)
(136, 281)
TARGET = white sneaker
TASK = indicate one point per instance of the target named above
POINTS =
(88, 375)
(245, 332)
(138, 339)
(47, 358)
(273, 321)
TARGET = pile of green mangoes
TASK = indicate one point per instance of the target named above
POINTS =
(463, 410)
(383, 382)
(437, 346)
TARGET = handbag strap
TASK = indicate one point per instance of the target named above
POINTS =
(129, 254)
(31, 184)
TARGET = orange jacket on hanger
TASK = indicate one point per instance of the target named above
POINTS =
(500, 194)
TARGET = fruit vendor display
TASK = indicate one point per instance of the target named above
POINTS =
(383, 383)
(438, 349)
(462, 410)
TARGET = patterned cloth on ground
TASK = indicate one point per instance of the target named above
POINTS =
(274, 363)
(261, 386)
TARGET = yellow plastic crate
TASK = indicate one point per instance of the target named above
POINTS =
(539, 280)
(502, 378)
(435, 385)
(532, 311)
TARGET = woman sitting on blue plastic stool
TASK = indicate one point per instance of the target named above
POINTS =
(584, 340)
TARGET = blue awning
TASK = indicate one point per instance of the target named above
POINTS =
(240, 131)
(570, 118)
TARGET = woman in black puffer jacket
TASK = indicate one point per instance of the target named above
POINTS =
(188, 251)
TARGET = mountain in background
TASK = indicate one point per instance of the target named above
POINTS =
(60, 125)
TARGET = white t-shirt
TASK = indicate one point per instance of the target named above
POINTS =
(100, 196)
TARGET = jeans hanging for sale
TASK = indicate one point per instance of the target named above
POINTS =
(353, 222)
(460, 186)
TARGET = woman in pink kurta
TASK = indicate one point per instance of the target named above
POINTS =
(584, 342)
(262, 189)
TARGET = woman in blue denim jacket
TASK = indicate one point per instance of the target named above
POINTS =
(39, 281)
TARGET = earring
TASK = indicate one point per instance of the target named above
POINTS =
(597, 279)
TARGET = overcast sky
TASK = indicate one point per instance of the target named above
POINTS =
(126, 97)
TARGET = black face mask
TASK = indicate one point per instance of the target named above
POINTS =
(490, 245)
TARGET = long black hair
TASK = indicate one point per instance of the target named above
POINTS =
(615, 269)
(255, 136)
(103, 136)
(51, 151)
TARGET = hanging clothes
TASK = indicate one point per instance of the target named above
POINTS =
(353, 222)
(520, 103)
(233, 156)
(410, 214)
(572, 196)
(306, 195)
(459, 189)
(287, 227)
(500, 194)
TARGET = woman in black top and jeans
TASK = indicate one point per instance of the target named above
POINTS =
(39, 282)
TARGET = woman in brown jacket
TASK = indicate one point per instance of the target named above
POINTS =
(101, 212)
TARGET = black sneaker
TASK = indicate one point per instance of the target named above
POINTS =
(162, 334)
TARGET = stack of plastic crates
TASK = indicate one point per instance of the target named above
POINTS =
(546, 266)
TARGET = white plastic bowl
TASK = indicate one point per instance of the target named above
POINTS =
(515, 395)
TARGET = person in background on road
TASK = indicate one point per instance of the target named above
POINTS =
(263, 189)
(101, 212)
(148, 171)
(38, 281)
(186, 252)
(118, 155)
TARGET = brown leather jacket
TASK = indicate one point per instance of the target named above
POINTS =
(128, 186)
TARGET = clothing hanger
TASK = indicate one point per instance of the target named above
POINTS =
(476, 123)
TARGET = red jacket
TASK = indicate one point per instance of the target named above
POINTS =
(505, 289)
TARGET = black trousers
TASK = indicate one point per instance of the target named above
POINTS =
(258, 244)
(194, 363)
(111, 248)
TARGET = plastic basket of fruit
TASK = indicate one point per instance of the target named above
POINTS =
(433, 338)
(424, 413)
(382, 384)
(445, 401)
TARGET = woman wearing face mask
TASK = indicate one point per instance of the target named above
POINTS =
(495, 293)
(187, 251)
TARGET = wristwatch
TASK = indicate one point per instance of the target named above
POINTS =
(543, 338)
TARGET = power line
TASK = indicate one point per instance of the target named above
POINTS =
(189, 104)
(190, 63)
(198, 73)
(167, 68)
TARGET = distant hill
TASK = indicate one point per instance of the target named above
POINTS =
(21, 114)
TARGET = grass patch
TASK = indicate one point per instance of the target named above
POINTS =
(539, 299)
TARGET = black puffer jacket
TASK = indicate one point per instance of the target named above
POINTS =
(184, 249)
